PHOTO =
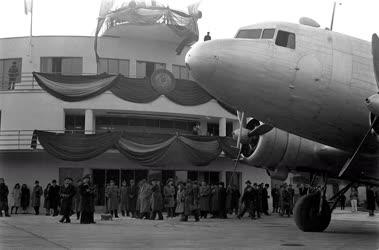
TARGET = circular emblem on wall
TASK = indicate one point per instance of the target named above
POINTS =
(163, 81)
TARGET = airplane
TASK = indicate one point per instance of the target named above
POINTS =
(312, 95)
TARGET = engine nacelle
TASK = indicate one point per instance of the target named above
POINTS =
(279, 152)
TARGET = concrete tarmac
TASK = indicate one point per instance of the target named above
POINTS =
(346, 231)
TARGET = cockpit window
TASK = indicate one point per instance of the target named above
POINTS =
(268, 33)
(250, 34)
(285, 39)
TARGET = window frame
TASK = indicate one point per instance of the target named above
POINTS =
(61, 59)
(119, 60)
(239, 31)
(289, 34)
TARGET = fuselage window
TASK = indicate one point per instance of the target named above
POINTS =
(268, 33)
(250, 34)
(285, 39)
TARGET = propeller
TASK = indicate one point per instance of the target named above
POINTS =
(372, 102)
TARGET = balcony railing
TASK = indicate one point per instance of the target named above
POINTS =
(20, 140)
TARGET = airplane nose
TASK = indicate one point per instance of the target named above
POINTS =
(201, 61)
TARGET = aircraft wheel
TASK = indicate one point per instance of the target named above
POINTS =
(307, 216)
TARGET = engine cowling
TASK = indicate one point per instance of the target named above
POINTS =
(279, 152)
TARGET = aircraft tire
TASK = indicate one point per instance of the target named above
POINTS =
(307, 217)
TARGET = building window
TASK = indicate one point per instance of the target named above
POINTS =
(249, 34)
(268, 33)
(180, 72)
(146, 69)
(213, 129)
(62, 65)
(74, 123)
(140, 124)
(285, 39)
(10, 73)
(113, 66)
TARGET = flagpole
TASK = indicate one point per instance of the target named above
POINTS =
(31, 35)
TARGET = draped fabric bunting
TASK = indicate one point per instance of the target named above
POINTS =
(76, 147)
(74, 88)
(151, 150)
(137, 90)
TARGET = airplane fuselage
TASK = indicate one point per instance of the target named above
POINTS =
(315, 88)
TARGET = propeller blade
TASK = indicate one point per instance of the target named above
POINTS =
(375, 56)
(261, 130)
(241, 118)
(348, 162)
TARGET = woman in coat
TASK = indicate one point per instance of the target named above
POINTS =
(156, 200)
(169, 198)
(215, 204)
(145, 200)
(46, 201)
(124, 197)
(16, 198)
(25, 198)
(204, 193)
(180, 195)
(113, 195)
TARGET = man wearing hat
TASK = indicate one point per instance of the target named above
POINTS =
(54, 197)
(4, 191)
(256, 201)
(222, 201)
(156, 200)
(246, 201)
(67, 194)
(36, 197)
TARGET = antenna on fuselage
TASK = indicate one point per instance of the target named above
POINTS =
(334, 11)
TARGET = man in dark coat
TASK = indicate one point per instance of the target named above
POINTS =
(4, 191)
(291, 192)
(204, 194)
(265, 199)
(36, 197)
(275, 198)
(285, 199)
(370, 199)
(222, 201)
(214, 201)
(87, 201)
(67, 194)
(246, 201)
(156, 200)
(132, 202)
(54, 197)
(235, 199)
(191, 202)
(257, 200)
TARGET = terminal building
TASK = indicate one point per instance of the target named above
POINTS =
(124, 48)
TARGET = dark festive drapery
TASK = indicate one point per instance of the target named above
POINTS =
(138, 90)
(151, 150)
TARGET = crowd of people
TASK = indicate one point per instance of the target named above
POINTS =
(149, 198)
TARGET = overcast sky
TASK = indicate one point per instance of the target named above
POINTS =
(221, 17)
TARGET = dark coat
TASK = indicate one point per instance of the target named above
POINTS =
(113, 195)
(124, 198)
(169, 196)
(67, 194)
(132, 202)
(76, 200)
(191, 200)
(87, 198)
(214, 204)
(36, 196)
(4, 191)
(156, 198)
(247, 198)
(25, 197)
(204, 194)
(275, 194)
(370, 198)
(46, 202)
(54, 196)
(222, 198)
